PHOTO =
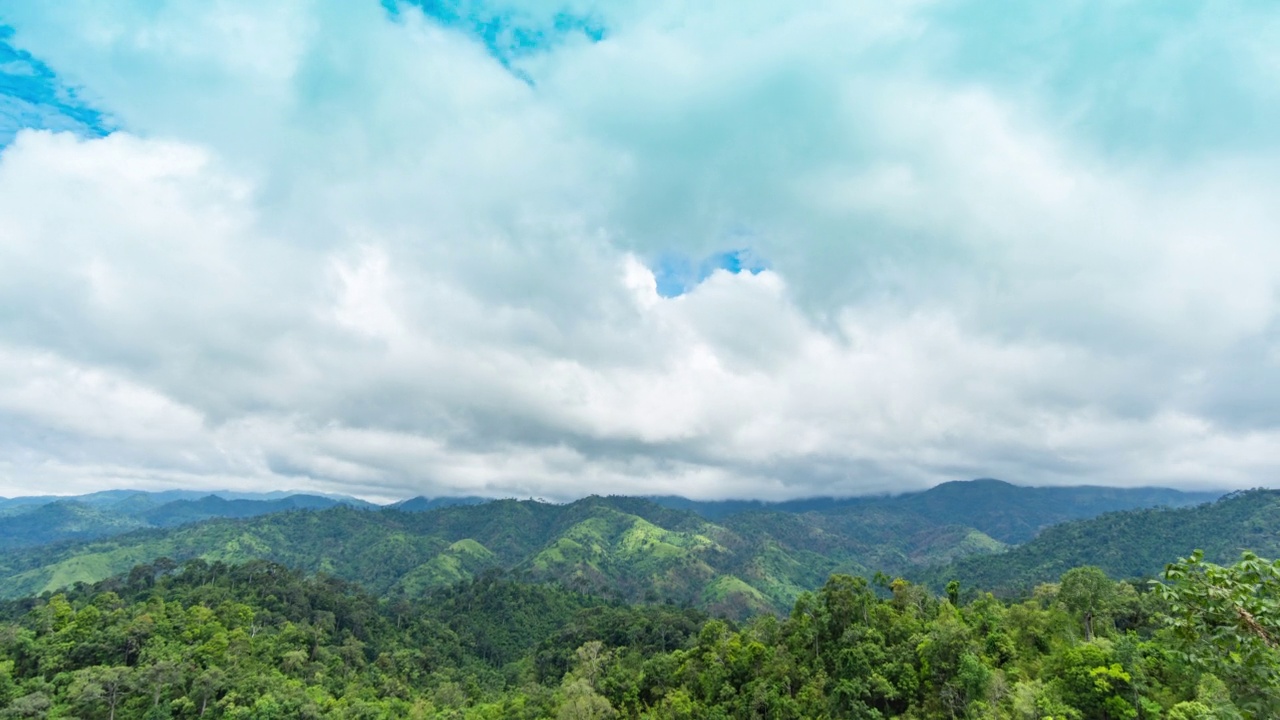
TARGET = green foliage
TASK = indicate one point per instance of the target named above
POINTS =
(629, 546)
(626, 548)
(1226, 621)
(259, 640)
(1131, 544)
(1089, 594)
(587, 610)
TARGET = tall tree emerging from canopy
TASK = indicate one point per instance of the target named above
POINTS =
(1088, 593)
(1228, 620)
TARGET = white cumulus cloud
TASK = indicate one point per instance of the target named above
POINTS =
(337, 248)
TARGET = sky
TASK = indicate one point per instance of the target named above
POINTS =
(550, 248)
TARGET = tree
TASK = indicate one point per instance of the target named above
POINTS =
(1212, 703)
(207, 685)
(1088, 593)
(1087, 677)
(1227, 621)
(158, 677)
(33, 705)
(102, 687)
(7, 686)
(582, 702)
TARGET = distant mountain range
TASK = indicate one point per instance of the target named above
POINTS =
(1009, 513)
(423, 504)
(733, 558)
(108, 498)
(30, 522)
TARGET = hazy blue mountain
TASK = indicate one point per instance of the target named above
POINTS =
(110, 498)
(1015, 514)
(105, 498)
(720, 509)
(106, 514)
(32, 525)
(181, 512)
(422, 504)
(1009, 513)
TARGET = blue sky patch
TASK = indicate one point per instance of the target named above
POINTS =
(508, 34)
(32, 96)
(677, 274)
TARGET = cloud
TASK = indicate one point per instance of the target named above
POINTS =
(349, 249)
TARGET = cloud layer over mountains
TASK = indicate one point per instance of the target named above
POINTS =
(520, 248)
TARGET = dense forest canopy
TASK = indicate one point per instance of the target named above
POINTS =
(259, 640)
(908, 607)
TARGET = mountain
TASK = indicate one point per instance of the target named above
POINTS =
(1015, 514)
(123, 498)
(105, 514)
(181, 512)
(1130, 544)
(1010, 513)
(1005, 512)
(30, 525)
(422, 504)
(625, 547)
(755, 559)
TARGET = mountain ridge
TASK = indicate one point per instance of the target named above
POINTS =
(1135, 543)
(750, 561)
(1008, 505)
(73, 519)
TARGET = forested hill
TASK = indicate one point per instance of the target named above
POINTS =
(1009, 513)
(627, 547)
(1130, 544)
(749, 561)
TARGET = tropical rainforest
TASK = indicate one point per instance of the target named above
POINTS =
(973, 600)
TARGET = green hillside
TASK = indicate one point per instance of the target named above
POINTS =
(1136, 543)
(622, 547)
(28, 526)
(1005, 512)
